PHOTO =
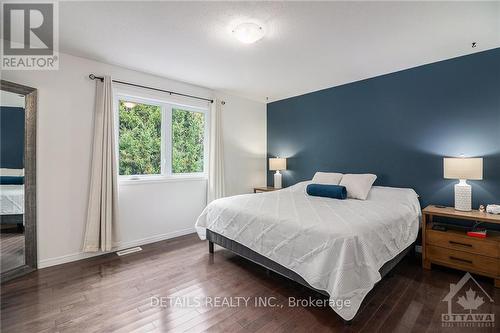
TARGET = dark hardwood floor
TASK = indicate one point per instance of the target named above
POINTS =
(113, 294)
(11, 249)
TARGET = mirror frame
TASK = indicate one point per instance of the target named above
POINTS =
(30, 243)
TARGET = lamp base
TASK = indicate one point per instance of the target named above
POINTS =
(277, 179)
(463, 195)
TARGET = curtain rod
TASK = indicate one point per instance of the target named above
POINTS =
(93, 77)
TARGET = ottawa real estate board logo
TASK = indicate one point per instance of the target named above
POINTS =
(30, 39)
(469, 305)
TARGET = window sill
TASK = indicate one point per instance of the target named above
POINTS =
(152, 180)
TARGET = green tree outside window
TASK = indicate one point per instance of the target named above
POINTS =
(188, 132)
(140, 139)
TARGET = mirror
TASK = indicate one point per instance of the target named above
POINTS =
(11, 180)
(17, 180)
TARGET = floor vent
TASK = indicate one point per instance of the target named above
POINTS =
(129, 251)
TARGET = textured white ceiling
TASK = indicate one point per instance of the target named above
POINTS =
(308, 45)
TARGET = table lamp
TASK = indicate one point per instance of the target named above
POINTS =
(463, 168)
(277, 164)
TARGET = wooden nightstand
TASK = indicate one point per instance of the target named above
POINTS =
(264, 189)
(453, 248)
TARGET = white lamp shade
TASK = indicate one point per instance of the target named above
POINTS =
(277, 164)
(463, 168)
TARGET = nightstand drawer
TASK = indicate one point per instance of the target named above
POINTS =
(463, 260)
(459, 242)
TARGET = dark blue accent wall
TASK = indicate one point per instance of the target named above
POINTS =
(397, 126)
(11, 137)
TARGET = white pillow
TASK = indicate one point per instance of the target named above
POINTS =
(327, 178)
(358, 185)
(11, 172)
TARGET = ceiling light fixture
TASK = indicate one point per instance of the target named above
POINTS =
(248, 32)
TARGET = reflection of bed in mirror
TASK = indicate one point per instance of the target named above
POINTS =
(12, 196)
(12, 204)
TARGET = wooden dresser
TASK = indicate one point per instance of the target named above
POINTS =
(453, 248)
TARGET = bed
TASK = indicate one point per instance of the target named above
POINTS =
(340, 248)
(12, 204)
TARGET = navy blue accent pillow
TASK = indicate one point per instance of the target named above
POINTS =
(329, 191)
(11, 180)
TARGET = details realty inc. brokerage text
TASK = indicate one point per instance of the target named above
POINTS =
(245, 301)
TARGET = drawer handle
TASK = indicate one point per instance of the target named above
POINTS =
(462, 260)
(458, 243)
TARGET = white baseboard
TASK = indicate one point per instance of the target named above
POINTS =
(118, 246)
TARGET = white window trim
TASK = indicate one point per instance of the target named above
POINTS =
(166, 142)
(123, 180)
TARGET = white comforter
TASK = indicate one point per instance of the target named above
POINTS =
(335, 245)
(11, 199)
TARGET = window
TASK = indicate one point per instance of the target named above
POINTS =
(140, 138)
(157, 139)
(188, 129)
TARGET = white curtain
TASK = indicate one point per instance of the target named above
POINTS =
(216, 186)
(102, 204)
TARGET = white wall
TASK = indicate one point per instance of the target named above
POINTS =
(10, 99)
(148, 212)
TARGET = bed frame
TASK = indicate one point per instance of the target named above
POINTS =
(17, 219)
(245, 252)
